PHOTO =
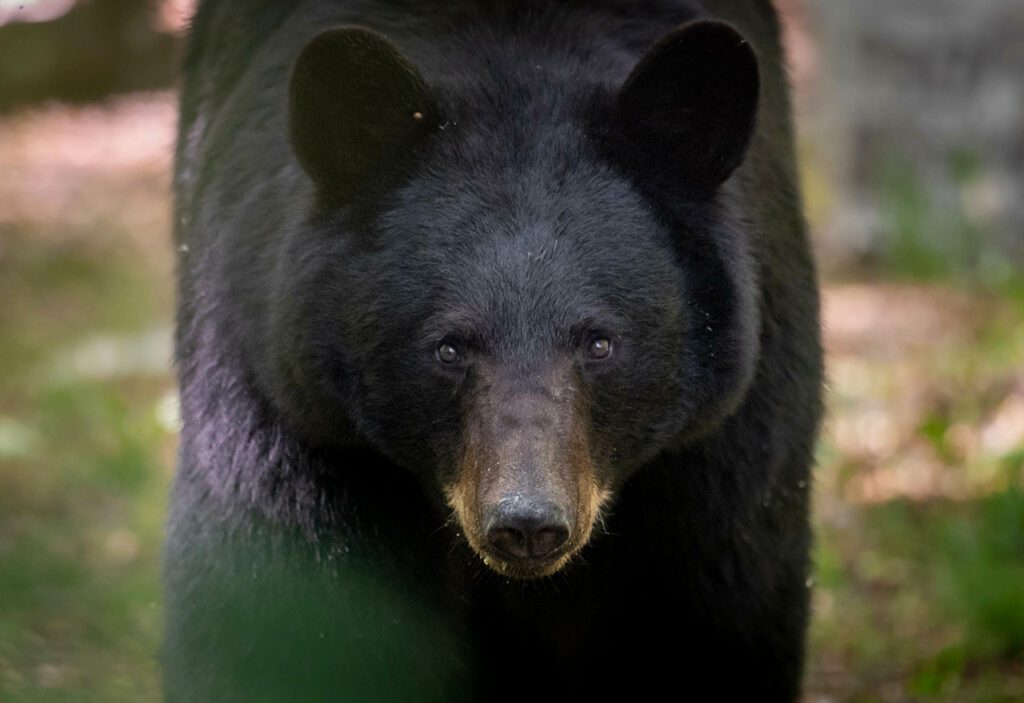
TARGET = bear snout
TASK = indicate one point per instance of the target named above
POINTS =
(526, 493)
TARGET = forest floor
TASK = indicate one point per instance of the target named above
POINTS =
(919, 512)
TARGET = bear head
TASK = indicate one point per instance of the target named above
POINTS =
(522, 286)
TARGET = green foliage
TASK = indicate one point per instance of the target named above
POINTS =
(984, 564)
(932, 233)
(926, 239)
(84, 467)
(82, 519)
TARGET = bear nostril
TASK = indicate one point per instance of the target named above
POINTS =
(509, 541)
(547, 540)
(522, 530)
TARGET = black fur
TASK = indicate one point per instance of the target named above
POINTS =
(323, 255)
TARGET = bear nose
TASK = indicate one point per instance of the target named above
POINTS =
(522, 529)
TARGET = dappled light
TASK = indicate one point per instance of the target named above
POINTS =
(919, 409)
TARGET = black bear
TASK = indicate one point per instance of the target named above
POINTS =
(499, 357)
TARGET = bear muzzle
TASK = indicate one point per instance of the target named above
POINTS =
(526, 492)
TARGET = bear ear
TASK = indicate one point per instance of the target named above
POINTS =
(689, 106)
(356, 104)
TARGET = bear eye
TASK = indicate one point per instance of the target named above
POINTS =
(447, 353)
(600, 348)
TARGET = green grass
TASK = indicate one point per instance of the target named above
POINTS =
(84, 468)
(923, 601)
(921, 597)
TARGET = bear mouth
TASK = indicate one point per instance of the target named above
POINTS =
(526, 569)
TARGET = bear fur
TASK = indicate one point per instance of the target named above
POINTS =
(435, 257)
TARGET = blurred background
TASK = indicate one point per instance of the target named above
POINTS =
(912, 148)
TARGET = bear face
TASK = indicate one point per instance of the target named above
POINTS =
(522, 302)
